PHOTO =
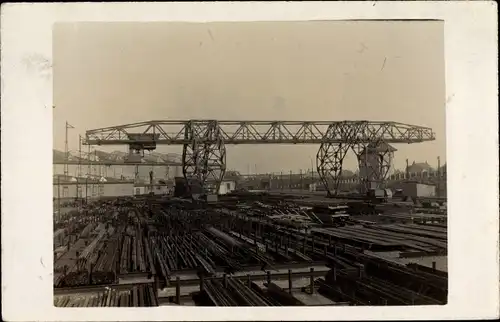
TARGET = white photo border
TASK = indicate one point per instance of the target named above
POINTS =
(472, 152)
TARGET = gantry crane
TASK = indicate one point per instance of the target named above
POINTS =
(204, 143)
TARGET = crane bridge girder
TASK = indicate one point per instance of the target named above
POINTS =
(204, 141)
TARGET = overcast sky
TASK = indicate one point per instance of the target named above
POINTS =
(110, 74)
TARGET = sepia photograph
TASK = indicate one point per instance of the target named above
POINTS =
(287, 161)
(249, 164)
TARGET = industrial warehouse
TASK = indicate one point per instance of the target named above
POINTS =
(249, 164)
(212, 241)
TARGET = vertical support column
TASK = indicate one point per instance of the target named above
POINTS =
(204, 158)
(329, 162)
(224, 280)
(178, 290)
(311, 279)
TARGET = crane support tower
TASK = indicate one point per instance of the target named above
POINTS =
(204, 144)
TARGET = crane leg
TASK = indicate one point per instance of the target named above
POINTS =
(204, 159)
(329, 165)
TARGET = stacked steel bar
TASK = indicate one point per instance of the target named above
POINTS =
(212, 239)
(103, 271)
(231, 292)
(136, 257)
(137, 296)
(177, 253)
(368, 280)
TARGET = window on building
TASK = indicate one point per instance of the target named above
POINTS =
(228, 186)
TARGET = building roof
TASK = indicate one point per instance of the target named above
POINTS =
(61, 178)
(117, 156)
(58, 155)
(232, 175)
(419, 167)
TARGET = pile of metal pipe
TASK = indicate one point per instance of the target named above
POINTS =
(177, 252)
(143, 295)
(87, 253)
(367, 290)
(230, 292)
(131, 256)
(184, 236)
(103, 271)
(360, 279)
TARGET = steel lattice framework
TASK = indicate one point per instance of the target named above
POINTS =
(204, 159)
(204, 141)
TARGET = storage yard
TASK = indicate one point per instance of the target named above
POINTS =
(249, 249)
(210, 244)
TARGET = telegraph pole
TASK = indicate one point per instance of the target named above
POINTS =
(66, 156)
(312, 170)
(59, 196)
(86, 190)
(89, 157)
(301, 181)
(79, 155)
(79, 174)
(407, 170)
(439, 178)
(66, 150)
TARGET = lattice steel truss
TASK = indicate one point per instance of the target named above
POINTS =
(204, 141)
(204, 160)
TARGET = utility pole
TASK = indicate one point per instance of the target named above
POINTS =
(290, 181)
(79, 174)
(439, 178)
(59, 196)
(312, 170)
(301, 181)
(66, 150)
(86, 190)
(89, 157)
(79, 155)
(407, 171)
(66, 157)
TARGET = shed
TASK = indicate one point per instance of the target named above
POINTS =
(227, 186)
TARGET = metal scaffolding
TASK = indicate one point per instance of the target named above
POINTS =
(204, 152)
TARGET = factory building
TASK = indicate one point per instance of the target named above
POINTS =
(123, 171)
(418, 190)
(157, 189)
(67, 187)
